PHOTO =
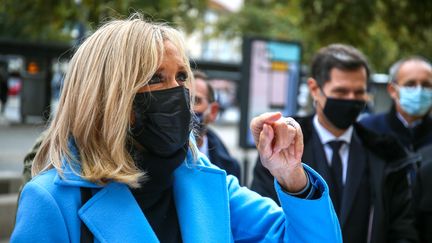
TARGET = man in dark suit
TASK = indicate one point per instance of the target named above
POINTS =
(366, 173)
(423, 195)
(408, 119)
(206, 109)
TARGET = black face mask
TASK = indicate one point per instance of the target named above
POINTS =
(162, 121)
(342, 113)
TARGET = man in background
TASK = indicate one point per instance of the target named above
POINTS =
(3, 87)
(366, 173)
(206, 109)
(408, 119)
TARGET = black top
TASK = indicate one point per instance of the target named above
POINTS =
(160, 211)
(155, 196)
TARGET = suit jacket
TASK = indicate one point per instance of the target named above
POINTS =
(376, 204)
(423, 196)
(211, 207)
(219, 155)
(389, 123)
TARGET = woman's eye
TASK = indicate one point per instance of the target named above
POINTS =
(157, 78)
(182, 77)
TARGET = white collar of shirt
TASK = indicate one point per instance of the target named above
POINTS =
(204, 147)
(325, 136)
(405, 123)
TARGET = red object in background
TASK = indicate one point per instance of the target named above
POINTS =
(14, 87)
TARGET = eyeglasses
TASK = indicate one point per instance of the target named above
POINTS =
(427, 84)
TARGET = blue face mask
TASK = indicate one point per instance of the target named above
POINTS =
(416, 101)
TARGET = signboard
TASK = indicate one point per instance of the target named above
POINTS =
(270, 79)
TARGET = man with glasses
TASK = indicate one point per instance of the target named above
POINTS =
(408, 120)
(206, 109)
(365, 172)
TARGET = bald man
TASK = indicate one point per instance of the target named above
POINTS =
(409, 118)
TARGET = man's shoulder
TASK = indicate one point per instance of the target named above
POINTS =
(212, 136)
(377, 122)
(384, 146)
(215, 143)
(373, 118)
(304, 120)
(220, 156)
(306, 124)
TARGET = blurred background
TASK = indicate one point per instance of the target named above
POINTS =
(37, 37)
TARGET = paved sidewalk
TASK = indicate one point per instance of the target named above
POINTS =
(15, 142)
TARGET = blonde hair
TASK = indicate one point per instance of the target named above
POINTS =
(95, 107)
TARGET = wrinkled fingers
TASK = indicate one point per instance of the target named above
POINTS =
(285, 133)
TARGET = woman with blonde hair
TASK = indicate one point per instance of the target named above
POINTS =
(119, 163)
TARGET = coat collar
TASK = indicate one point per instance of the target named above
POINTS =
(201, 198)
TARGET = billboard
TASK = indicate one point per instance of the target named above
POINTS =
(270, 80)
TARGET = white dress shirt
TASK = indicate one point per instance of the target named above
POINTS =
(325, 136)
(405, 123)
(204, 147)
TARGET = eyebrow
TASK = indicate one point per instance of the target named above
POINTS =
(181, 67)
(343, 89)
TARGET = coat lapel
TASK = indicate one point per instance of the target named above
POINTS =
(201, 198)
(113, 215)
(317, 149)
(313, 153)
(356, 166)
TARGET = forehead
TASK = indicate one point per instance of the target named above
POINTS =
(200, 87)
(172, 53)
(414, 69)
(347, 78)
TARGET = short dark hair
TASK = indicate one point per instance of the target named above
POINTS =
(211, 97)
(200, 74)
(340, 56)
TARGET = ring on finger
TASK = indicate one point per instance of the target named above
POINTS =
(290, 122)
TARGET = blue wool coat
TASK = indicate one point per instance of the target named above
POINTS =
(211, 207)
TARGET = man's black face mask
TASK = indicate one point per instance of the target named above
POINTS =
(342, 113)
